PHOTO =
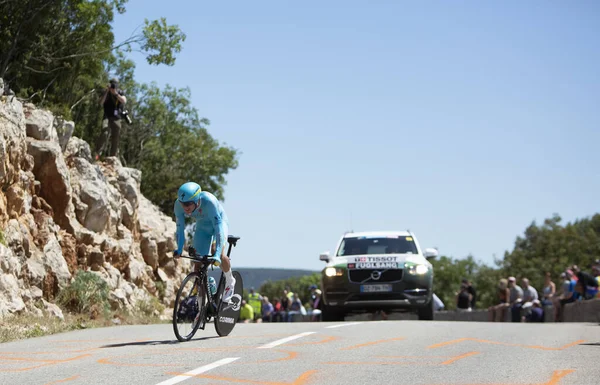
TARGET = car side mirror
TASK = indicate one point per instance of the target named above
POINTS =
(324, 256)
(431, 253)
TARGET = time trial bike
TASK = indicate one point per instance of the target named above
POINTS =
(198, 301)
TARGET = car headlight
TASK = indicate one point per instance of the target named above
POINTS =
(332, 272)
(418, 269)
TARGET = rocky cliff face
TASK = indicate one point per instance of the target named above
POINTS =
(61, 211)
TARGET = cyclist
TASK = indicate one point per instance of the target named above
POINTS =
(211, 221)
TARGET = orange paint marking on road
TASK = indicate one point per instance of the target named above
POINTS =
(454, 359)
(59, 351)
(557, 375)
(413, 356)
(301, 380)
(110, 360)
(435, 346)
(290, 356)
(449, 360)
(417, 363)
(372, 343)
(64, 380)
(44, 362)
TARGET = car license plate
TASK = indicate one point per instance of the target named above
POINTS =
(377, 265)
(375, 288)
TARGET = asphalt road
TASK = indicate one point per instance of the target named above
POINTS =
(378, 352)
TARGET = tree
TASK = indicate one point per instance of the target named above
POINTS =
(448, 273)
(170, 144)
(54, 51)
(549, 247)
(300, 285)
(552, 247)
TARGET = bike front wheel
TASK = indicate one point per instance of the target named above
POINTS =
(189, 308)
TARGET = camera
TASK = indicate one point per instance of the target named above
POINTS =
(113, 85)
(125, 114)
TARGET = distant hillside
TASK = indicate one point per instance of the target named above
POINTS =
(255, 277)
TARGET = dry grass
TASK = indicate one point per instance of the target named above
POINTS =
(85, 305)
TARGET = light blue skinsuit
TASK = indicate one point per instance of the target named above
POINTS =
(211, 220)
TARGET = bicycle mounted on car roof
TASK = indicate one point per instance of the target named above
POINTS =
(199, 304)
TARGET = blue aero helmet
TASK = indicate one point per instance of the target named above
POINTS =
(189, 193)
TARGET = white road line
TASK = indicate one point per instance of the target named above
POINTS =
(342, 325)
(202, 369)
(284, 340)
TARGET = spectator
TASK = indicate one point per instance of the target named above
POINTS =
(277, 316)
(529, 295)
(246, 312)
(463, 298)
(516, 298)
(569, 295)
(289, 293)
(589, 282)
(529, 292)
(498, 312)
(255, 300)
(316, 306)
(312, 289)
(548, 290)
(267, 310)
(471, 291)
(596, 273)
(536, 314)
(285, 306)
(295, 308)
(112, 101)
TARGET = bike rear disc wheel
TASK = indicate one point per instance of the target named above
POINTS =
(229, 314)
(182, 325)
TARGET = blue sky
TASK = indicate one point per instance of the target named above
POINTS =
(463, 121)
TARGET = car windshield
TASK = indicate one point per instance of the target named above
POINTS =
(377, 245)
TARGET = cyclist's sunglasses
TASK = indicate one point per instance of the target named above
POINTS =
(187, 204)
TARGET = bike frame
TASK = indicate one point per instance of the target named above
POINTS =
(211, 308)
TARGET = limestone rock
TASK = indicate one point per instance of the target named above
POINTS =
(40, 124)
(52, 172)
(78, 148)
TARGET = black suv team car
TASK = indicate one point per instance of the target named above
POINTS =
(377, 271)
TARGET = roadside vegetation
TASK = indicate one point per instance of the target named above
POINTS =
(85, 304)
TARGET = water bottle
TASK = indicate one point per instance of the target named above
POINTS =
(212, 284)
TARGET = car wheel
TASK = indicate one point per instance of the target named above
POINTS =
(426, 312)
(332, 315)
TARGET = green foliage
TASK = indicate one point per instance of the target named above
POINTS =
(299, 285)
(552, 247)
(170, 144)
(87, 292)
(162, 39)
(60, 54)
(2, 239)
(54, 52)
(150, 307)
(448, 275)
(160, 288)
(549, 247)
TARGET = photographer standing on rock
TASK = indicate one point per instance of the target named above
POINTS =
(113, 99)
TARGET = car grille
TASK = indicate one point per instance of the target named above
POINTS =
(360, 276)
